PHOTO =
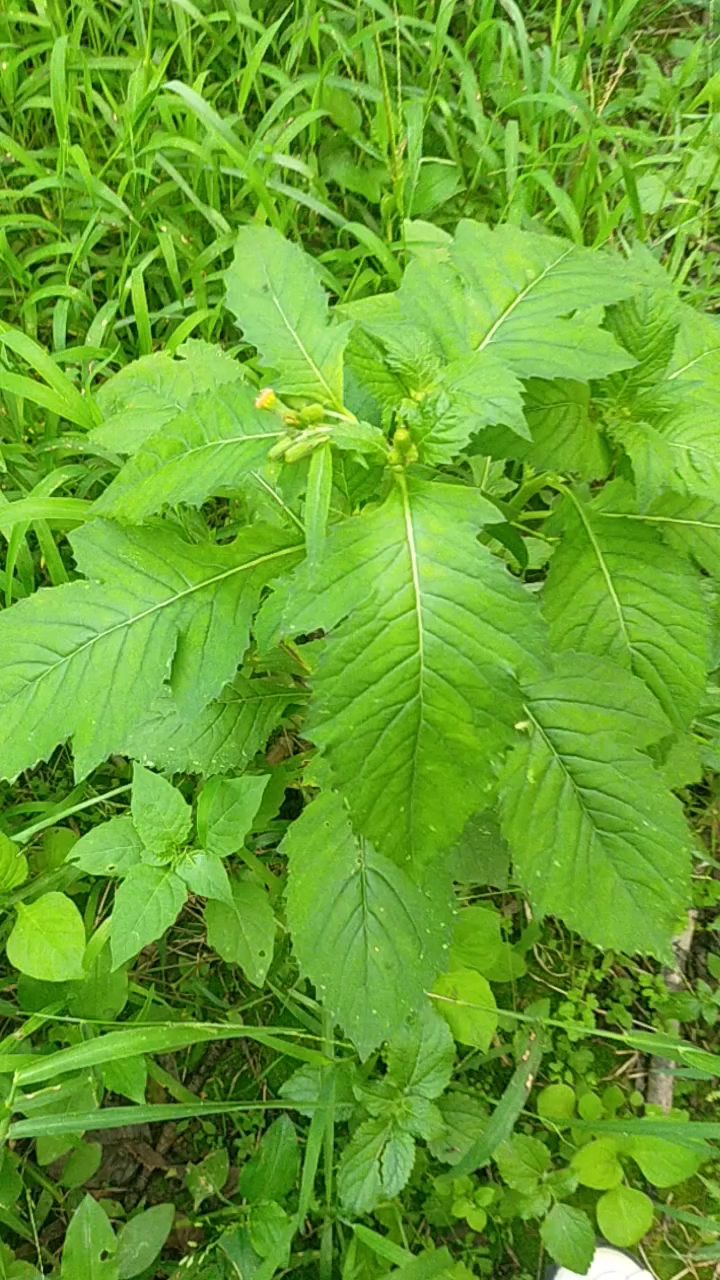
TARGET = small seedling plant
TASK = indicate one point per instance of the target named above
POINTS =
(455, 547)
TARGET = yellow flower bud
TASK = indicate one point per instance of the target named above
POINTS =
(266, 399)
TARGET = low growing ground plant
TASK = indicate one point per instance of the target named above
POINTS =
(451, 550)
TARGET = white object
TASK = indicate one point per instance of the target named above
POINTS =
(608, 1264)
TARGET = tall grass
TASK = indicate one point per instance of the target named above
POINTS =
(136, 136)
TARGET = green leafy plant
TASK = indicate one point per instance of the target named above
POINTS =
(457, 545)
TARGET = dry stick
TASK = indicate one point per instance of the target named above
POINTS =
(661, 1080)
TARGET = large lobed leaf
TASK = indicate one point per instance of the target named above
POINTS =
(415, 692)
(671, 435)
(491, 300)
(210, 448)
(520, 289)
(366, 935)
(617, 590)
(275, 294)
(224, 735)
(139, 399)
(86, 660)
(597, 838)
(564, 436)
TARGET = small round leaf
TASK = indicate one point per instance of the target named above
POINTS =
(556, 1103)
(624, 1216)
(48, 939)
(468, 1006)
(597, 1165)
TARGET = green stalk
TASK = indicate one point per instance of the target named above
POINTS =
(326, 1239)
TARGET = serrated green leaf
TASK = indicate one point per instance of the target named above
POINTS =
(695, 363)
(274, 293)
(564, 436)
(405, 678)
(689, 524)
(396, 1161)
(443, 402)
(520, 286)
(89, 1252)
(243, 931)
(597, 839)
(160, 813)
(677, 449)
(108, 850)
(523, 1162)
(88, 658)
(224, 735)
(226, 809)
(616, 590)
(306, 1086)
(359, 1174)
(510, 291)
(421, 1055)
(672, 436)
(569, 1238)
(624, 1216)
(465, 1118)
(420, 1117)
(47, 941)
(365, 934)
(148, 901)
(646, 325)
(138, 400)
(210, 448)
(469, 393)
(271, 1230)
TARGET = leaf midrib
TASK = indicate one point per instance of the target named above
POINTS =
(163, 604)
(210, 444)
(299, 342)
(595, 832)
(418, 611)
(660, 519)
(520, 297)
(605, 571)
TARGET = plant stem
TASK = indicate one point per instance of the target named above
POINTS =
(326, 1241)
(22, 837)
